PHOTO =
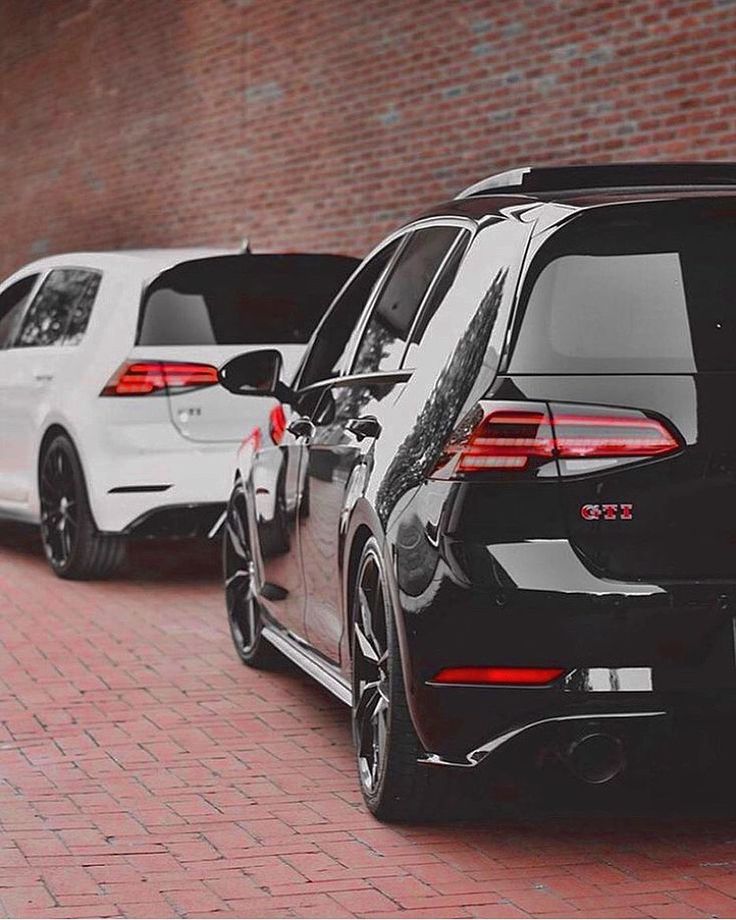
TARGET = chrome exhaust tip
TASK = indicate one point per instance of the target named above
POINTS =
(595, 757)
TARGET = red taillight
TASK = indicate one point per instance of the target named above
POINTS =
(508, 677)
(513, 438)
(277, 422)
(611, 436)
(143, 378)
(498, 439)
(507, 439)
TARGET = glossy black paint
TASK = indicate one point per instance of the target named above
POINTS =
(504, 573)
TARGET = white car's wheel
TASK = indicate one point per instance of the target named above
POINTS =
(74, 547)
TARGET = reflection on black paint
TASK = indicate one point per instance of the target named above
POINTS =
(275, 529)
(374, 348)
(416, 556)
(338, 406)
(422, 447)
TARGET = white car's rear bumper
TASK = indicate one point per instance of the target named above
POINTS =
(125, 494)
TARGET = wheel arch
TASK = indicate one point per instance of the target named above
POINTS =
(52, 431)
(361, 524)
(361, 536)
(364, 525)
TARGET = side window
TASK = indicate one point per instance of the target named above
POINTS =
(384, 338)
(330, 345)
(461, 347)
(437, 294)
(458, 357)
(82, 310)
(13, 302)
(60, 311)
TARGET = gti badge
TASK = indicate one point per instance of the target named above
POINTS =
(607, 512)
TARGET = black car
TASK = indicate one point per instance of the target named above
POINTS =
(511, 449)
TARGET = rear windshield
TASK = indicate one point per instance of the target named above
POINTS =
(649, 290)
(241, 300)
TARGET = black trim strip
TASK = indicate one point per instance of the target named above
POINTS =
(125, 489)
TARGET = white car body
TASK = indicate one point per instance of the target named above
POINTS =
(138, 454)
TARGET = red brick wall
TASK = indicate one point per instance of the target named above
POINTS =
(322, 123)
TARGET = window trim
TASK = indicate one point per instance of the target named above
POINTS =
(43, 276)
(400, 374)
(426, 223)
(433, 285)
(348, 355)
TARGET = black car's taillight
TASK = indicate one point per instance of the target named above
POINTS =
(598, 433)
(149, 378)
(513, 439)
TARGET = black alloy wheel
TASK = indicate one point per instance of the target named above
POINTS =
(74, 547)
(370, 676)
(59, 507)
(243, 611)
(395, 785)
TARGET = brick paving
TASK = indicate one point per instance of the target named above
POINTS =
(145, 772)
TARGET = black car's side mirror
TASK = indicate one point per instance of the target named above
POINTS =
(255, 373)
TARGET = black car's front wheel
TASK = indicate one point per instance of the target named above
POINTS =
(395, 785)
(74, 547)
(243, 612)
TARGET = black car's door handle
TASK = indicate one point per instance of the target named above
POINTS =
(366, 427)
(301, 427)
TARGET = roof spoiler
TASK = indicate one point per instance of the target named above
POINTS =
(544, 179)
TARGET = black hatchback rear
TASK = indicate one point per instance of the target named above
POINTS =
(598, 472)
(524, 465)
(635, 307)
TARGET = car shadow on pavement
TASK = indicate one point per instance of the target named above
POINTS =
(185, 561)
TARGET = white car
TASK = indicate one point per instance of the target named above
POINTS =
(111, 421)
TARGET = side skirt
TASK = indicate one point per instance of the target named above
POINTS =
(310, 663)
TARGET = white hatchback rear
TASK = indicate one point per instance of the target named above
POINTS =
(112, 423)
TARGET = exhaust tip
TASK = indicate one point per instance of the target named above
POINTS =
(595, 757)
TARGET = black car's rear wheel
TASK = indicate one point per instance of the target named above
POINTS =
(395, 786)
(74, 547)
(243, 613)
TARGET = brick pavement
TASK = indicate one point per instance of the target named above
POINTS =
(145, 772)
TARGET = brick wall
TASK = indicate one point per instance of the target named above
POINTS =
(322, 123)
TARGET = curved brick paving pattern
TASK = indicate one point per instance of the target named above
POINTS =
(144, 772)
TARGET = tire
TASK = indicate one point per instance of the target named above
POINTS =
(74, 548)
(243, 612)
(395, 786)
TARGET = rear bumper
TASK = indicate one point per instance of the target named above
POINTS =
(631, 652)
(172, 491)
(489, 721)
(617, 722)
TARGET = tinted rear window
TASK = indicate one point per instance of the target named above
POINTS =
(241, 300)
(643, 289)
